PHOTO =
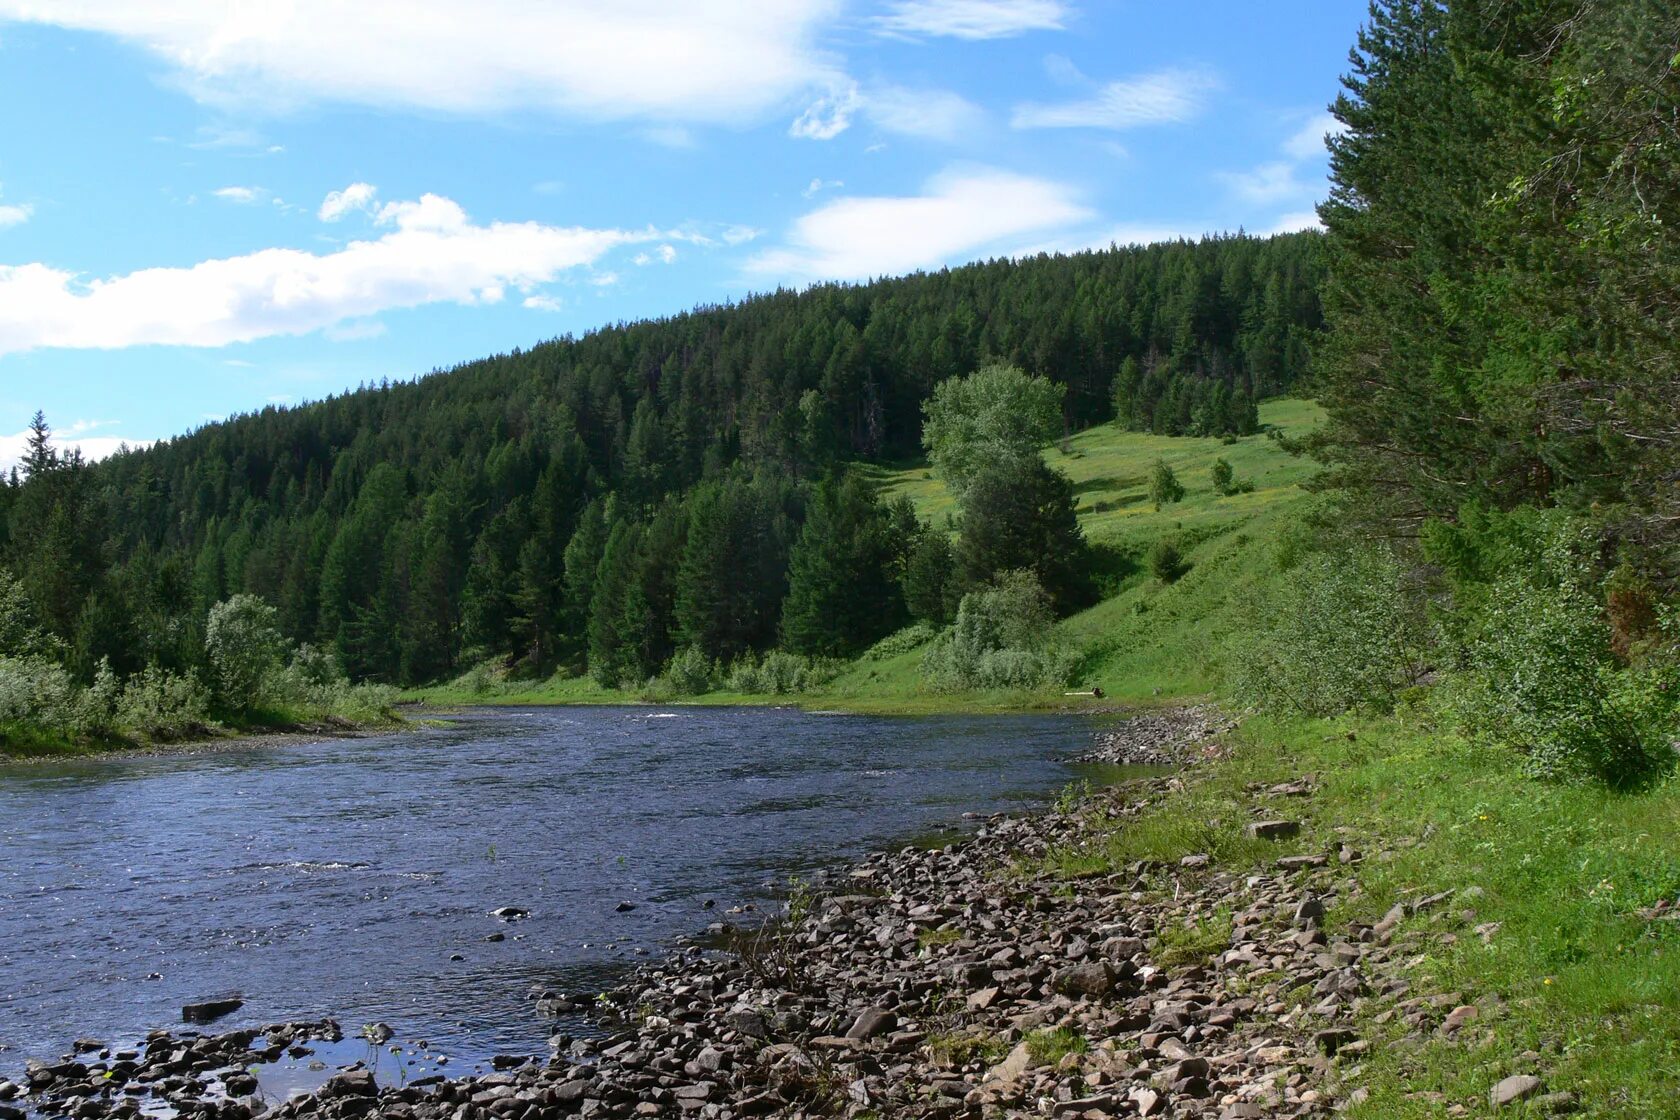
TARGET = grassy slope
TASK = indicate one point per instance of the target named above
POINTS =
(1132, 643)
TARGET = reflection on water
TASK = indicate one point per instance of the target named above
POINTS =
(355, 878)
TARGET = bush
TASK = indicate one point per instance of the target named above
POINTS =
(1341, 635)
(164, 705)
(1001, 639)
(1166, 563)
(1544, 680)
(779, 674)
(37, 692)
(243, 642)
(1164, 486)
(914, 636)
(690, 672)
(1222, 476)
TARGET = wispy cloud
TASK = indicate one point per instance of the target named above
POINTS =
(426, 251)
(971, 19)
(1310, 140)
(15, 214)
(241, 195)
(701, 61)
(928, 114)
(337, 204)
(958, 216)
(1164, 97)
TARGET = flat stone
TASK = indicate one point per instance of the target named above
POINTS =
(871, 1022)
(1515, 1088)
(1273, 830)
(210, 1009)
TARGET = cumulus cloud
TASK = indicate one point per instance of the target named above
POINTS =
(1310, 140)
(68, 439)
(1269, 183)
(704, 61)
(427, 251)
(357, 196)
(971, 19)
(959, 216)
(1164, 97)
(15, 214)
(542, 303)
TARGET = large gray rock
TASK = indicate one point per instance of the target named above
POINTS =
(1095, 980)
(871, 1022)
(1515, 1088)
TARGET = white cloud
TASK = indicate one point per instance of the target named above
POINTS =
(1295, 223)
(817, 186)
(15, 214)
(542, 303)
(972, 19)
(1269, 183)
(241, 195)
(710, 61)
(604, 279)
(1164, 97)
(740, 235)
(429, 251)
(356, 330)
(14, 447)
(959, 216)
(1309, 141)
(357, 196)
(829, 115)
(930, 114)
(667, 253)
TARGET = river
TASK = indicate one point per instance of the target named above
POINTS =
(356, 877)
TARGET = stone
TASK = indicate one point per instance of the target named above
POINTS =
(1273, 830)
(351, 1083)
(1101, 1103)
(1515, 1088)
(1012, 1067)
(625, 907)
(207, 1011)
(1148, 1102)
(871, 1022)
(510, 913)
(1309, 912)
(1093, 980)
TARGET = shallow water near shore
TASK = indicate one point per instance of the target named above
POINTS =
(341, 878)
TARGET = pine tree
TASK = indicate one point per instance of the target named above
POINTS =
(841, 596)
(1020, 514)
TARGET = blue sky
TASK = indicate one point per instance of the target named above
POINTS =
(207, 207)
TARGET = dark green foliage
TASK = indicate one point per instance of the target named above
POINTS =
(930, 582)
(734, 567)
(842, 595)
(1166, 562)
(1019, 515)
(1222, 477)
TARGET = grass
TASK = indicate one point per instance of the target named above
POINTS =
(1133, 644)
(1048, 1047)
(1584, 969)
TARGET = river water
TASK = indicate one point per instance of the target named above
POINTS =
(346, 877)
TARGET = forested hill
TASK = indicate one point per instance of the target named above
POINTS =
(413, 523)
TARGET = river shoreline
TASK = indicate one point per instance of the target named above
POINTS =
(973, 979)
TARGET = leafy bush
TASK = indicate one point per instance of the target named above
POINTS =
(1001, 639)
(914, 636)
(691, 672)
(778, 674)
(37, 692)
(1166, 563)
(1164, 486)
(1544, 680)
(1341, 635)
(162, 704)
(1222, 476)
(242, 639)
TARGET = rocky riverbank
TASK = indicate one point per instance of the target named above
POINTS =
(972, 980)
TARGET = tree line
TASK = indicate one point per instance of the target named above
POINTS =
(414, 527)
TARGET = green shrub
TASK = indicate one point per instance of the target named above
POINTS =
(1222, 476)
(164, 705)
(1342, 634)
(914, 636)
(1544, 680)
(690, 672)
(1164, 486)
(243, 642)
(1001, 639)
(1166, 563)
(40, 693)
(779, 674)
